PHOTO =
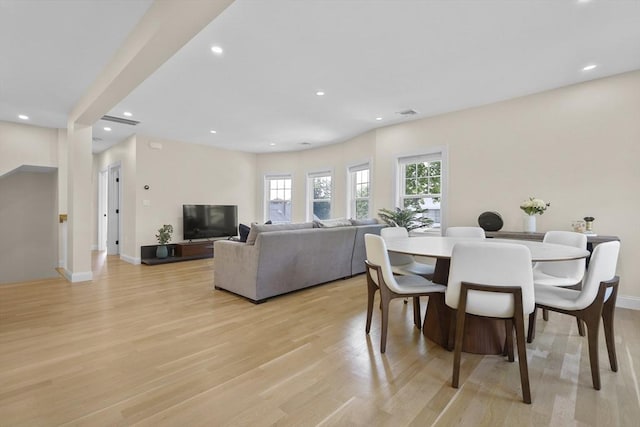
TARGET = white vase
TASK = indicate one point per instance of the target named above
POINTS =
(530, 223)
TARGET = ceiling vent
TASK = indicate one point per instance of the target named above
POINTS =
(120, 120)
(408, 113)
(305, 143)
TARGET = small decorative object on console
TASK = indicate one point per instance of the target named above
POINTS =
(588, 220)
(579, 226)
(533, 207)
(490, 221)
(164, 237)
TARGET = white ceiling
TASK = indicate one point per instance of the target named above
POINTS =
(372, 58)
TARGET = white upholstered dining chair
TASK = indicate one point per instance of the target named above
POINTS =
(465, 232)
(492, 280)
(380, 277)
(596, 299)
(402, 263)
(561, 273)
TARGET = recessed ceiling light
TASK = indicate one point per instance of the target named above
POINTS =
(108, 129)
(217, 50)
(212, 131)
(272, 144)
(23, 117)
(378, 118)
(589, 67)
(320, 93)
(127, 114)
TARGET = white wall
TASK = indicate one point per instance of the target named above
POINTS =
(28, 213)
(577, 147)
(181, 173)
(27, 145)
(337, 158)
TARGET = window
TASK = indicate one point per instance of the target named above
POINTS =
(360, 191)
(278, 198)
(319, 194)
(420, 184)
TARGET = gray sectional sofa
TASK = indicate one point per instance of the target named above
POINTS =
(283, 260)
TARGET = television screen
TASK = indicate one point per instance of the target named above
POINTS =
(205, 221)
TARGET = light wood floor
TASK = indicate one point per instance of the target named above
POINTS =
(157, 346)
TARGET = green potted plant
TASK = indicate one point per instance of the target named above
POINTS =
(164, 237)
(409, 218)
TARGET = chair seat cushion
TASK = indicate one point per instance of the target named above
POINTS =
(418, 268)
(411, 284)
(540, 278)
(557, 297)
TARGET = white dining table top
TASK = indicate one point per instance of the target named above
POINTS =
(441, 247)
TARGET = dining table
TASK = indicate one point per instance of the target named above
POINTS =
(482, 335)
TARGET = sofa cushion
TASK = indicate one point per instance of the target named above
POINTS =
(261, 228)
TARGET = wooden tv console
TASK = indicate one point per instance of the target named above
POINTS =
(185, 251)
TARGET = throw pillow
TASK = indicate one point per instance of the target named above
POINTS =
(244, 232)
(368, 221)
(336, 222)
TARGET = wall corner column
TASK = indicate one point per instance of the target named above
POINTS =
(78, 257)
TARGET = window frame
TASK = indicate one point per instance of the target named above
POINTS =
(310, 200)
(352, 192)
(267, 195)
(400, 162)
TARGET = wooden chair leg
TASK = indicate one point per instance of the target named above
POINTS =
(385, 321)
(608, 312)
(508, 340)
(522, 352)
(371, 293)
(532, 325)
(417, 317)
(592, 337)
(545, 314)
(457, 351)
(580, 327)
(451, 341)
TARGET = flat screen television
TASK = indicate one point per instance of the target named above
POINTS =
(206, 221)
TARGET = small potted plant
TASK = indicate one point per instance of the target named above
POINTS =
(164, 237)
(408, 218)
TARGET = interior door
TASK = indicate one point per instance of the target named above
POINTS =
(102, 210)
(113, 211)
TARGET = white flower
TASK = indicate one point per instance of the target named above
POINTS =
(534, 206)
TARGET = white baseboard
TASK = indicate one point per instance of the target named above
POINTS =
(130, 259)
(632, 303)
(94, 247)
(85, 276)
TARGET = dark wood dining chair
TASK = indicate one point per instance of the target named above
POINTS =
(596, 299)
(492, 280)
(380, 277)
(566, 274)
